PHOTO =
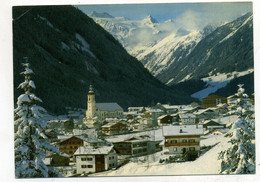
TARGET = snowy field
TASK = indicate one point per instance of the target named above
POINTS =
(207, 163)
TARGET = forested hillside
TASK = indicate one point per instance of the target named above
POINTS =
(68, 51)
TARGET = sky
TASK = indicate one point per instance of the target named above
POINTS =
(161, 12)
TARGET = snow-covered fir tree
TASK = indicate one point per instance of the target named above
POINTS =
(30, 140)
(239, 158)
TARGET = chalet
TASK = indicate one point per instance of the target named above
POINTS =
(188, 119)
(164, 120)
(181, 139)
(92, 159)
(213, 101)
(114, 128)
(146, 121)
(170, 109)
(138, 127)
(153, 114)
(137, 146)
(208, 113)
(69, 144)
(136, 109)
(210, 124)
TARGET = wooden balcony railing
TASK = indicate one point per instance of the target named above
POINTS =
(181, 144)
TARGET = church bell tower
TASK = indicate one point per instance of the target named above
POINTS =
(91, 103)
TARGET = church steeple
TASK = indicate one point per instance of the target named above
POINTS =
(91, 103)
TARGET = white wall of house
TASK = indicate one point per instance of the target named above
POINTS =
(179, 149)
(188, 121)
(85, 164)
(110, 161)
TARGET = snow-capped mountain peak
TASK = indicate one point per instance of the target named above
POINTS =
(100, 15)
(150, 19)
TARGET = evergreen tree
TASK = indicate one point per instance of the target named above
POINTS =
(239, 158)
(30, 140)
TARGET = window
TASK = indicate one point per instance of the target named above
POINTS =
(175, 149)
(191, 140)
(184, 141)
(83, 166)
(89, 159)
(90, 166)
(83, 159)
(109, 158)
(173, 141)
(192, 148)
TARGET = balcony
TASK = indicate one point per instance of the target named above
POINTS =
(182, 144)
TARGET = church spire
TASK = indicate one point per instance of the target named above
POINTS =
(90, 90)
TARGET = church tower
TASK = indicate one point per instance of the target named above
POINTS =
(91, 103)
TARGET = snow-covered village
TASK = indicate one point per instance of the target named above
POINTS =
(106, 94)
(160, 140)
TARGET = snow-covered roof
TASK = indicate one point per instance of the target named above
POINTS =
(205, 110)
(208, 121)
(93, 150)
(138, 108)
(82, 132)
(111, 124)
(66, 137)
(182, 130)
(108, 106)
(160, 117)
(47, 161)
(167, 106)
(89, 140)
(154, 110)
(188, 115)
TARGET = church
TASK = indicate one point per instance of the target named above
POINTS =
(100, 111)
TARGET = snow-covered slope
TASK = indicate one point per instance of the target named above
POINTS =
(169, 50)
(218, 81)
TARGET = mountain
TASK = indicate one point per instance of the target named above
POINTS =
(171, 49)
(150, 20)
(68, 56)
(227, 49)
(100, 15)
(135, 35)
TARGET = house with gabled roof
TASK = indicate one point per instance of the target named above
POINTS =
(137, 145)
(188, 119)
(69, 143)
(210, 124)
(114, 128)
(91, 159)
(183, 138)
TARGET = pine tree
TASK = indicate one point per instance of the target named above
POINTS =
(30, 140)
(239, 158)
